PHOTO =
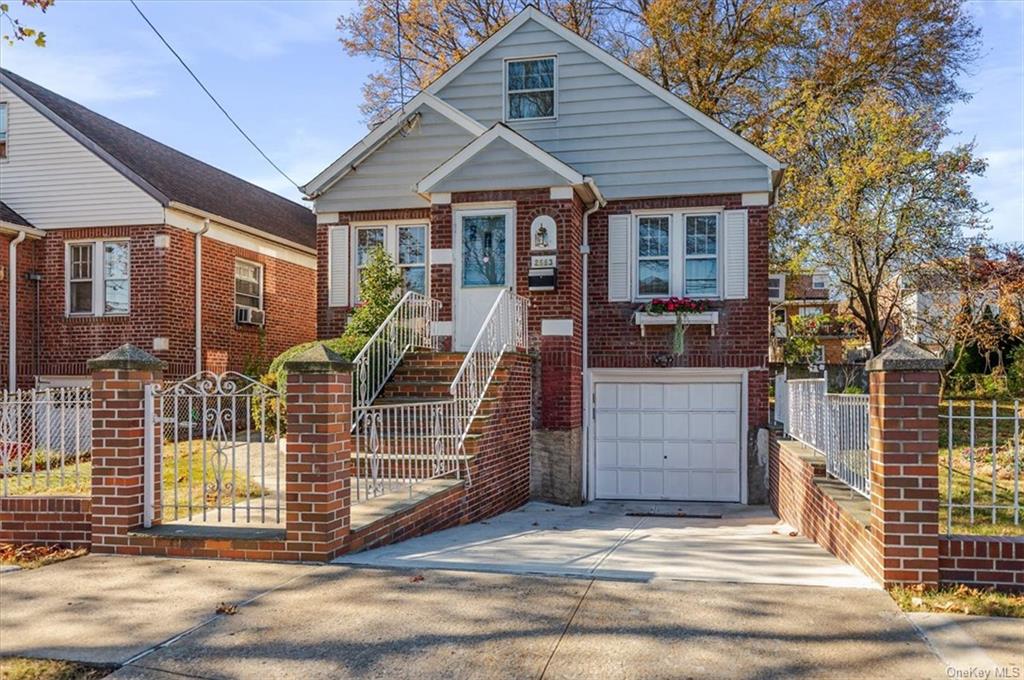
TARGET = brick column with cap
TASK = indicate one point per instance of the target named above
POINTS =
(317, 461)
(904, 446)
(119, 380)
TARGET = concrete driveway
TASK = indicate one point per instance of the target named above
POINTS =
(342, 622)
(712, 542)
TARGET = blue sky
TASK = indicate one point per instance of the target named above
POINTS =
(279, 69)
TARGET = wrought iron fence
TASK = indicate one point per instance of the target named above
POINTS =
(46, 441)
(220, 460)
(836, 425)
(980, 465)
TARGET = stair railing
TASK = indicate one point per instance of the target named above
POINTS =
(408, 325)
(504, 329)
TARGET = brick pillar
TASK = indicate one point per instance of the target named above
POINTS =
(119, 380)
(317, 461)
(904, 444)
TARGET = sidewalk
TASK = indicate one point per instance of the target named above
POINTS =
(341, 622)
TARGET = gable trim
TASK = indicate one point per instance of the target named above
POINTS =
(498, 131)
(607, 59)
(90, 145)
(383, 133)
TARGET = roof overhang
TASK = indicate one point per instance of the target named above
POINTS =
(381, 134)
(531, 12)
(500, 131)
(12, 228)
(252, 231)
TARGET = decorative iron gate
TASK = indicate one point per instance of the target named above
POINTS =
(220, 446)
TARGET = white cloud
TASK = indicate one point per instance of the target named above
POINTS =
(87, 77)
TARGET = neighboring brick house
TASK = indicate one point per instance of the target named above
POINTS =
(539, 152)
(794, 295)
(106, 225)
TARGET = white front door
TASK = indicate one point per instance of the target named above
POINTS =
(484, 245)
(668, 441)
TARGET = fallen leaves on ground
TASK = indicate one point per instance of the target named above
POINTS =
(17, 668)
(226, 608)
(30, 556)
(959, 599)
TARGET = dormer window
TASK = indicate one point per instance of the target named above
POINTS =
(530, 88)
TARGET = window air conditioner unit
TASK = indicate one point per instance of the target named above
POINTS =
(249, 316)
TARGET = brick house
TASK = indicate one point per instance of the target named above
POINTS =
(541, 164)
(100, 232)
(803, 295)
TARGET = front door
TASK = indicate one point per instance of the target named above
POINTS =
(484, 265)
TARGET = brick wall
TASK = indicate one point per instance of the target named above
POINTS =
(46, 519)
(983, 561)
(798, 494)
(162, 305)
(330, 321)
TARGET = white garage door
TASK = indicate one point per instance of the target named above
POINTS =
(668, 441)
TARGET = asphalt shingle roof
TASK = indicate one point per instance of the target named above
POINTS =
(8, 215)
(178, 176)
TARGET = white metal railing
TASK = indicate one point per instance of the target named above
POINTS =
(781, 399)
(836, 425)
(504, 328)
(408, 325)
(980, 458)
(399, 445)
(45, 441)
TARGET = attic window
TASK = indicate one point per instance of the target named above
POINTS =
(530, 86)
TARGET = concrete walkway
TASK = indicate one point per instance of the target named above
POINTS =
(342, 622)
(622, 541)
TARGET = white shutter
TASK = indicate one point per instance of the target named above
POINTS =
(618, 257)
(735, 256)
(338, 266)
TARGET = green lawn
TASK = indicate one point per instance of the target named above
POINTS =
(1002, 469)
(78, 481)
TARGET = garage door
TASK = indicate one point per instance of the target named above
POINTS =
(668, 441)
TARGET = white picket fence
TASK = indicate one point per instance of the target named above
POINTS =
(835, 425)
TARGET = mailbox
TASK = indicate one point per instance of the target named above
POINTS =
(543, 279)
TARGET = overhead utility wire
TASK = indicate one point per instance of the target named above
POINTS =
(212, 98)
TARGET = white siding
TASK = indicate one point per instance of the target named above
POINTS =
(53, 181)
(387, 178)
(500, 165)
(608, 127)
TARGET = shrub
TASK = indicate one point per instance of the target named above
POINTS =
(381, 281)
(1015, 371)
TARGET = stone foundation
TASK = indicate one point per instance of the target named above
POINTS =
(556, 466)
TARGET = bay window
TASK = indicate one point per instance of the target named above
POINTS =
(97, 278)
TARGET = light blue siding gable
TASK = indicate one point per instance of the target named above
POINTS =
(386, 178)
(630, 141)
(499, 165)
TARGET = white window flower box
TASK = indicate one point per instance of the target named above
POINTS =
(645, 319)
